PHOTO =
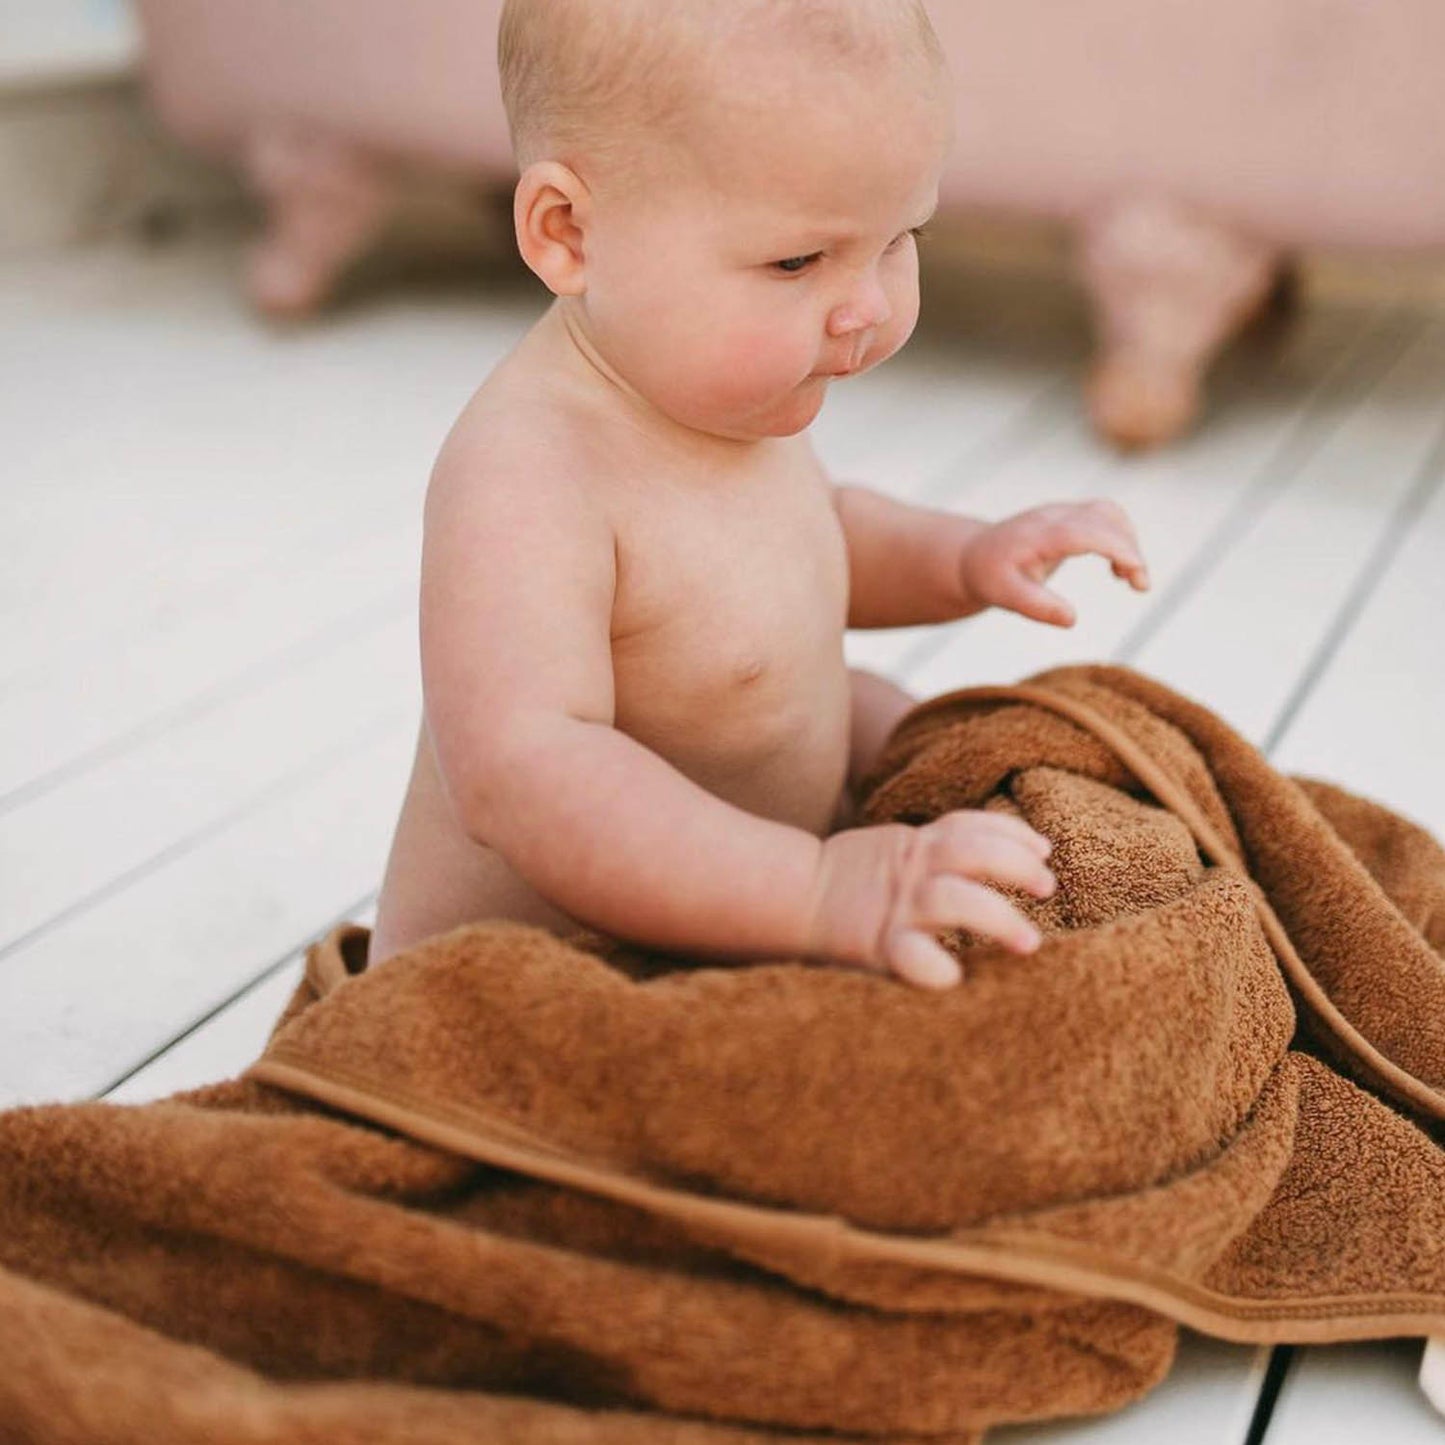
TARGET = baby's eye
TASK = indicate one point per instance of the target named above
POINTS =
(794, 264)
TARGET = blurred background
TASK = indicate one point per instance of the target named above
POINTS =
(1186, 172)
(1187, 169)
(256, 254)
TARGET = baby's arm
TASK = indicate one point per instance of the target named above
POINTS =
(517, 589)
(910, 565)
(902, 560)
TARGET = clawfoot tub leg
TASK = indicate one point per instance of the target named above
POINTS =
(325, 201)
(1168, 288)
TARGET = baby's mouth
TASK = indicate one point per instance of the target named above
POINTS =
(855, 362)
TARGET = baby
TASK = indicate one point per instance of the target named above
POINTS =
(636, 573)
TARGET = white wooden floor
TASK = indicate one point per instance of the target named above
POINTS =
(208, 680)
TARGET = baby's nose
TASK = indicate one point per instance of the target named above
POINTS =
(868, 307)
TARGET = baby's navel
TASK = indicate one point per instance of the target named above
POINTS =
(749, 671)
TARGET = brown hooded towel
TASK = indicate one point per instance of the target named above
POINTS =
(509, 1187)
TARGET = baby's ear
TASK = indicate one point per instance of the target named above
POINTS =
(550, 209)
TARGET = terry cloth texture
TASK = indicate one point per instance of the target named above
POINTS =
(511, 1187)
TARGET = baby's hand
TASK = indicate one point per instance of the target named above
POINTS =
(1007, 564)
(883, 892)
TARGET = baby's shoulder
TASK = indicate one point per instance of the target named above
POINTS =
(507, 440)
(503, 426)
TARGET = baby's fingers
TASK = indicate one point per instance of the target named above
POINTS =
(1006, 825)
(1136, 574)
(1020, 593)
(1103, 528)
(918, 959)
(977, 846)
(948, 901)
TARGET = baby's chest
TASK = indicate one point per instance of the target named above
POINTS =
(729, 613)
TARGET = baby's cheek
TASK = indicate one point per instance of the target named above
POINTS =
(752, 364)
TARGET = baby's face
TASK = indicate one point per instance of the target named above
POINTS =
(773, 254)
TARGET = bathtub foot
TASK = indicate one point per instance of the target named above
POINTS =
(325, 202)
(1169, 288)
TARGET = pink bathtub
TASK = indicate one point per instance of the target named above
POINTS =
(1194, 147)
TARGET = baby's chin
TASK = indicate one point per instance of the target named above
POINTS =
(785, 417)
(800, 409)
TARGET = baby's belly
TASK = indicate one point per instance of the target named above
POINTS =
(773, 742)
(792, 773)
(439, 878)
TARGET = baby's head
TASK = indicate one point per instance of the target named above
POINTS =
(722, 191)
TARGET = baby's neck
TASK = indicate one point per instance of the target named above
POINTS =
(565, 332)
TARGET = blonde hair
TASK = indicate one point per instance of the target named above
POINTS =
(595, 77)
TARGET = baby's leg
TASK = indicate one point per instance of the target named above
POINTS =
(877, 705)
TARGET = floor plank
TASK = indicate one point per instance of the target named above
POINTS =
(96, 830)
(221, 1046)
(162, 447)
(1351, 1393)
(1246, 634)
(89, 998)
(227, 1041)
(1373, 718)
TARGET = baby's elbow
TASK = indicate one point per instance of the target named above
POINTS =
(503, 783)
(487, 790)
(476, 815)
